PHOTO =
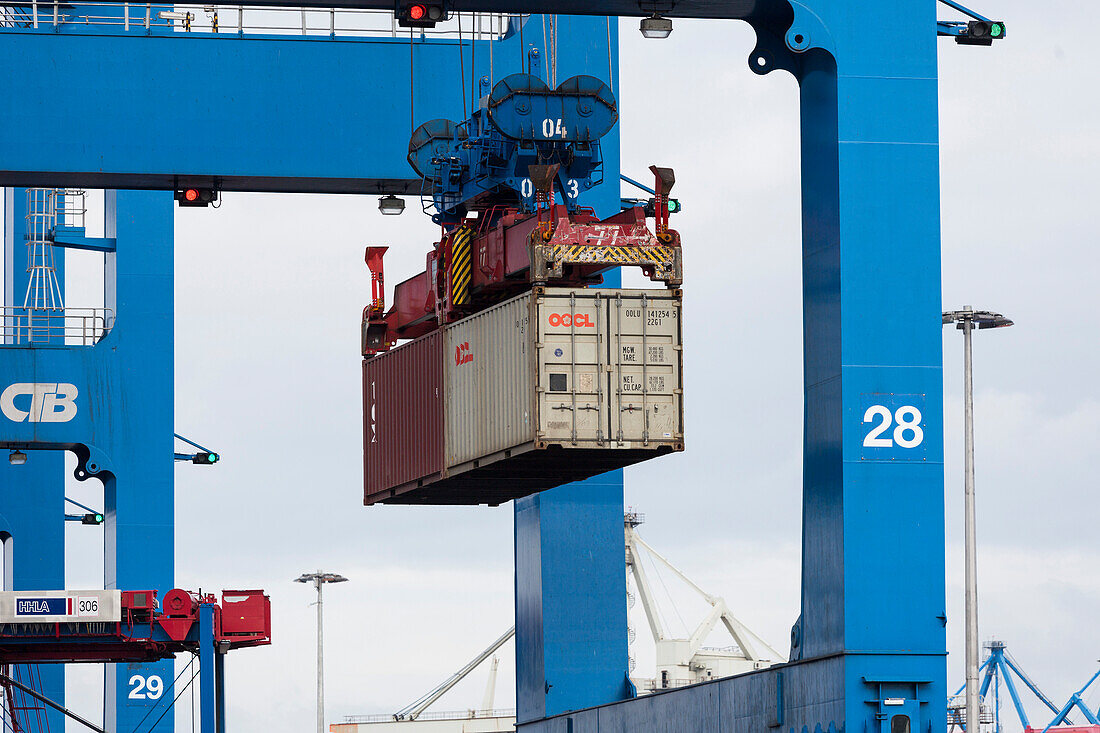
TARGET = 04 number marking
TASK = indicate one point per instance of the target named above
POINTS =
(553, 128)
(907, 433)
(146, 688)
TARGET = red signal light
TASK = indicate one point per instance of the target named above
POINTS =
(196, 196)
(420, 14)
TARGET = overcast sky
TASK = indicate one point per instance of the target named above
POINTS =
(269, 291)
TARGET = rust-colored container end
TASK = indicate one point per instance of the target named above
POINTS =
(403, 417)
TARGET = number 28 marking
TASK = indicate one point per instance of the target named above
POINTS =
(907, 434)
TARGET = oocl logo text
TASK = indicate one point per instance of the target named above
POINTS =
(39, 402)
(580, 320)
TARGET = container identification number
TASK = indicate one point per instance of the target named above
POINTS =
(908, 432)
(653, 317)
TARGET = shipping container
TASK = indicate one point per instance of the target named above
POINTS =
(550, 387)
(403, 416)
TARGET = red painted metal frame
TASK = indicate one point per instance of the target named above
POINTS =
(242, 619)
(502, 266)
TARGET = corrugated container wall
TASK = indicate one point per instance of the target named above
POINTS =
(403, 416)
(547, 388)
(489, 386)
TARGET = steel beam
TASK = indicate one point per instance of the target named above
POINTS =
(730, 9)
(241, 113)
(127, 448)
(32, 496)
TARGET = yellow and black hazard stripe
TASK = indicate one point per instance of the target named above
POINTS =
(612, 254)
(461, 264)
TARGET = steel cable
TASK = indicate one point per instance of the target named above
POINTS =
(154, 707)
(173, 703)
(461, 67)
(545, 60)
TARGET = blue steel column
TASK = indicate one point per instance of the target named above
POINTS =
(873, 519)
(209, 681)
(32, 496)
(570, 577)
(139, 494)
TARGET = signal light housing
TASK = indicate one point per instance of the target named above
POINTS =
(205, 459)
(981, 33)
(196, 196)
(420, 14)
(674, 207)
(93, 518)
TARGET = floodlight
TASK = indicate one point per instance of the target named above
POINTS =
(656, 27)
(391, 205)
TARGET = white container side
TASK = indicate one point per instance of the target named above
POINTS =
(489, 382)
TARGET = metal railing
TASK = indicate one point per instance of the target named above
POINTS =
(249, 20)
(956, 711)
(450, 715)
(20, 326)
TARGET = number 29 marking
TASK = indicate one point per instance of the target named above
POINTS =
(907, 434)
(146, 688)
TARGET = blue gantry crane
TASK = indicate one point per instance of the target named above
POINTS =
(1001, 668)
(868, 652)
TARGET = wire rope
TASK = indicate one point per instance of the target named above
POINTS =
(554, 51)
(154, 707)
(545, 46)
(475, 31)
(39, 709)
(173, 703)
(671, 601)
(610, 65)
(461, 67)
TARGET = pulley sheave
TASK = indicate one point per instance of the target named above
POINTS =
(581, 109)
(432, 140)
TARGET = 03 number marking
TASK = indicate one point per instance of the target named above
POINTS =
(907, 434)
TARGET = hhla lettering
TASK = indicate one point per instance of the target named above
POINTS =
(463, 354)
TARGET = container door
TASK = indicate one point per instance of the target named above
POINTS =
(645, 376)
(571, 356)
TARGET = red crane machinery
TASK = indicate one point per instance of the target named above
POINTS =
(49, 627)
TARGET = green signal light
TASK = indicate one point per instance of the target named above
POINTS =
(99, 519)
(673, 206)
(996, 30)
